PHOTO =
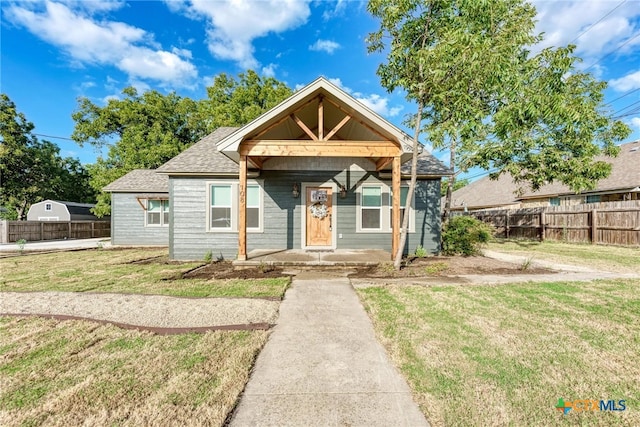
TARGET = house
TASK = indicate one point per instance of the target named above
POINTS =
(317, 172)
(56, 210)
(140, 208)
(622, 184)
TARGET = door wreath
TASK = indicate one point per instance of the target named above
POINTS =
(319, 210)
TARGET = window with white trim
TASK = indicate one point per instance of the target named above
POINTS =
(403, 201)
(371, 207)
(221, 204)
(157, 212)
(48, 207)
(224, 202)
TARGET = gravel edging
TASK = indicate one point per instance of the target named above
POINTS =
(146, 311)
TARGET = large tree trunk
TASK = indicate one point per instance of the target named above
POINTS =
(397, 261)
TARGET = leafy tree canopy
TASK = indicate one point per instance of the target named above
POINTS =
(145, 131)
(33, 170)
(486, 98)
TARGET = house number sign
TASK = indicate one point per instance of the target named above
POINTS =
(318, 196)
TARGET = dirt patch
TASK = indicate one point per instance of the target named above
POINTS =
(225, 270)
(442, 266)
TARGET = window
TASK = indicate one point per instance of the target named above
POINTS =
(593, 199)
(403, 200)
(253, 206)
(158, 212)
(221, 207)
(224, 202)
(48, 207)
(371, 208)
(554, 201)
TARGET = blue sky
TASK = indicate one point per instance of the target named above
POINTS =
(53, 52)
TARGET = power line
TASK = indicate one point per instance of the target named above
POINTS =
(623, 95)
(598, 21)
(52, 136)
(614, 50)
(627, 107)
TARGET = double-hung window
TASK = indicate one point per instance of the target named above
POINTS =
(221, 202)
(403, 201)
(224, 202)
(157, 212)
(371, 208)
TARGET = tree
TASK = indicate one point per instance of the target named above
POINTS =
(32, 170)
(458, 184)
(145, 131)
(465, 64)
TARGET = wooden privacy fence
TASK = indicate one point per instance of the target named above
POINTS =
(616, 223)
(12, 231)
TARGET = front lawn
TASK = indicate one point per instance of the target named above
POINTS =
(606, 258)
(68, 373)
(504, 355)
(136, 271)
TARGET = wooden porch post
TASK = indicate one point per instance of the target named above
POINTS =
(242, 211)
(395, 188)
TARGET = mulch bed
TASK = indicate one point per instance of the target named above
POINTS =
(224, 270)
(442, 266)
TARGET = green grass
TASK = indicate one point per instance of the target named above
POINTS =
(117, 271)
(77, 372)
(609, 258)
(503, 355)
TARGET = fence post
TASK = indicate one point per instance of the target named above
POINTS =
(69, 229)
(506, 224)
(543, 220)
(93, 227)
(41, 230)
(594, 226)
(4, 231)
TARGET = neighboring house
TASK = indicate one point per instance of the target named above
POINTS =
(622, 184)
(140, 208)
(56, 210)
(317, 172)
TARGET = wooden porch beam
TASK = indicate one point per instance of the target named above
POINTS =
(242, 210)
(383, 163)
(359, 121)
(304, 127)
(338, 126)
(320, 119)
(298, 148)
(397, 195)
(256, 161)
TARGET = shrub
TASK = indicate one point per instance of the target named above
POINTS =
(421, 252)
(464, 235)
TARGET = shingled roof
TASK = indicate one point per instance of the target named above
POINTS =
(202, 157)
(140, 181)
(428, 165)
(484, 193)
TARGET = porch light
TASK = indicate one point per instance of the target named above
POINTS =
(343, 191)
(296, 191)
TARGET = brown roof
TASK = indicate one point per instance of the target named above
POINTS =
(140, 180)
(625, 175)
(202, 157)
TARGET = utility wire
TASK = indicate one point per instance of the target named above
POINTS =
(623, 95)
(52, 136)
(598, 21)
(614, 50)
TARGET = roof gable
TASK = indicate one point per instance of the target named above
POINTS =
(283, 121)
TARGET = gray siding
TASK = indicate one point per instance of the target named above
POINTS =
(127, 223)
(189, 238)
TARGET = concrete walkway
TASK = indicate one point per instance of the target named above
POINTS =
(323, 366)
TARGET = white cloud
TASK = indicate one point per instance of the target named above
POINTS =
(234, 24)
(336, 81)
(88, 41)
(563, 21)
(338, 10)
(269, 70)
(635, 122)
(325, 46)
(629, 82)
(378, 104)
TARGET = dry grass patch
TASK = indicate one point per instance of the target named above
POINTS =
(503, 355)
(606, 258)
(138, 270)
(76, 372)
